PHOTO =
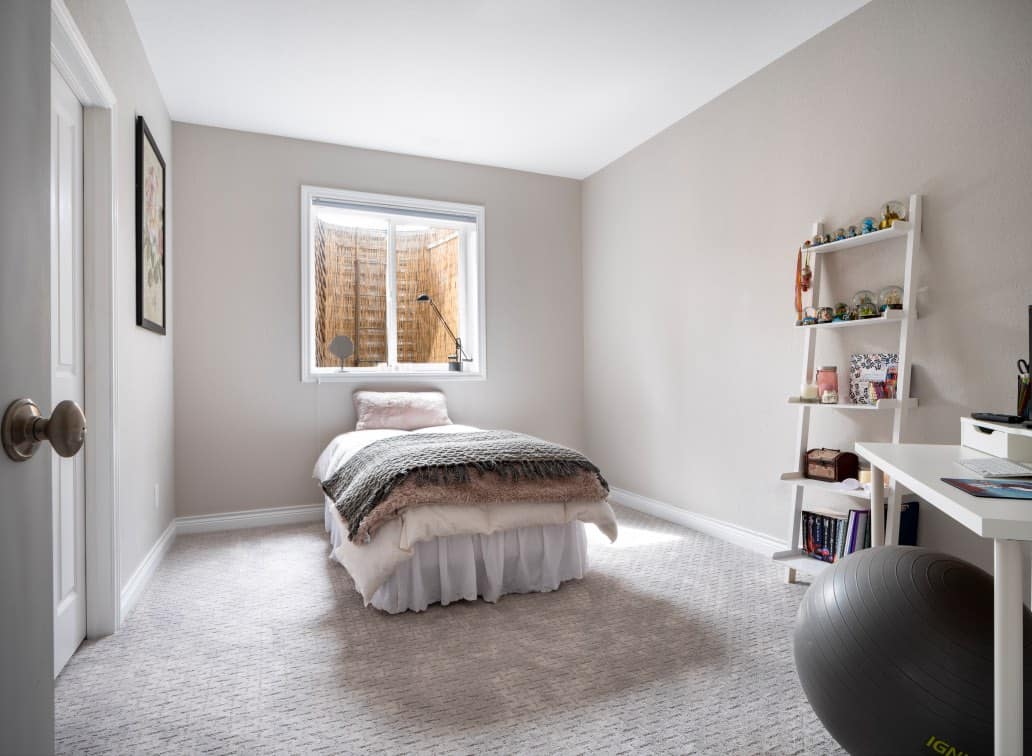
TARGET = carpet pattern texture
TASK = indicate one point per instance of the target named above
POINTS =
(254, 642)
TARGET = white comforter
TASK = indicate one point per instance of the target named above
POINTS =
(371, 564)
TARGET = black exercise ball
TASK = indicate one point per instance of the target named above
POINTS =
(894, 649)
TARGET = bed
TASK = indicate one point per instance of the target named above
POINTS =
(441, 536)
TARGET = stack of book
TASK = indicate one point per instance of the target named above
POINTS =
(829, 535)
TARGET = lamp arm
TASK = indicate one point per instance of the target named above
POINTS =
(450, 332)
(460, 353)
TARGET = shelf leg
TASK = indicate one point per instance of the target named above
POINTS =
(877, 507)
(1008, 667)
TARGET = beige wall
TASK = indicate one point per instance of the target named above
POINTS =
(143, 421)
(247, 430)
(689, 253)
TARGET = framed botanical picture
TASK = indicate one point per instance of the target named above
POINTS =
(150, 231)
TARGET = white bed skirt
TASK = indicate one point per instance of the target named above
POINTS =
(450, 568)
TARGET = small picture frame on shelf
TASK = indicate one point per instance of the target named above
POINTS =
(872, 377)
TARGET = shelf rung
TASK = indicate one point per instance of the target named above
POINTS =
(883, 404)
(799, 560)
(889, 316)
(899, 228)
(798, 479)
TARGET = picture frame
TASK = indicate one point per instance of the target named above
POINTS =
(150, 231)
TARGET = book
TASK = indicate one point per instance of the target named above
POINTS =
(856, 525)
(851, 528)
(909, 509)
(861, 534)
(824, 534)
(830, 535)
(847, 525)
(818, 536)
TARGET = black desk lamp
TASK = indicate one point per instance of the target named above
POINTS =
(454, 360)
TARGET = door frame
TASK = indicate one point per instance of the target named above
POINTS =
(71, 56)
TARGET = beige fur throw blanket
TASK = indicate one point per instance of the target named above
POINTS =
(384, 478)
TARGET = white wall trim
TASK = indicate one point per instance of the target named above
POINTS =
(71, 57)
(293, 515)
(761, 543)
(253, 518)
(141, 577)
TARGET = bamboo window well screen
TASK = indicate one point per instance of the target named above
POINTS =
(351, 292)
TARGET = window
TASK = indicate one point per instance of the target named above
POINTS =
(402, 279)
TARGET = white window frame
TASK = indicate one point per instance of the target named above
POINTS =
(472, 330)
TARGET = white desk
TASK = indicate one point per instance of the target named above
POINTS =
(919, 468)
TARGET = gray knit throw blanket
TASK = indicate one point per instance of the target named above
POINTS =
(441, 459)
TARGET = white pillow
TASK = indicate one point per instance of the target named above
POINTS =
(400, 410)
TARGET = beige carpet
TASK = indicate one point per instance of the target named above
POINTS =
(254, 642)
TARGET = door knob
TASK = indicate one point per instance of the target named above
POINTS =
(23, 428)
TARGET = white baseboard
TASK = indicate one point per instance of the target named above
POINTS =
(256, 518)
(252, 518)
(142, 575)
(725, 531)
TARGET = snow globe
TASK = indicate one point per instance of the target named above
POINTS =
(890, 298)
(864, 302)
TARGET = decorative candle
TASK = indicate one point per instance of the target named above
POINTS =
(808, 392)
(827, 382)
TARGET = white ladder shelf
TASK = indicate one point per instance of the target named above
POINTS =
(794, 558)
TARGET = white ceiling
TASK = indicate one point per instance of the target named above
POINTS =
(554, 86)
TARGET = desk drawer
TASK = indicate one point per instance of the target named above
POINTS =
(995, 441)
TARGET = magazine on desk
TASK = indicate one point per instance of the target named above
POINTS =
(989, 488)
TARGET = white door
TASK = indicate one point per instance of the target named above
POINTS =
(66, 365)
(26, 646)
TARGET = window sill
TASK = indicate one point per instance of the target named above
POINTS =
(356, 375)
